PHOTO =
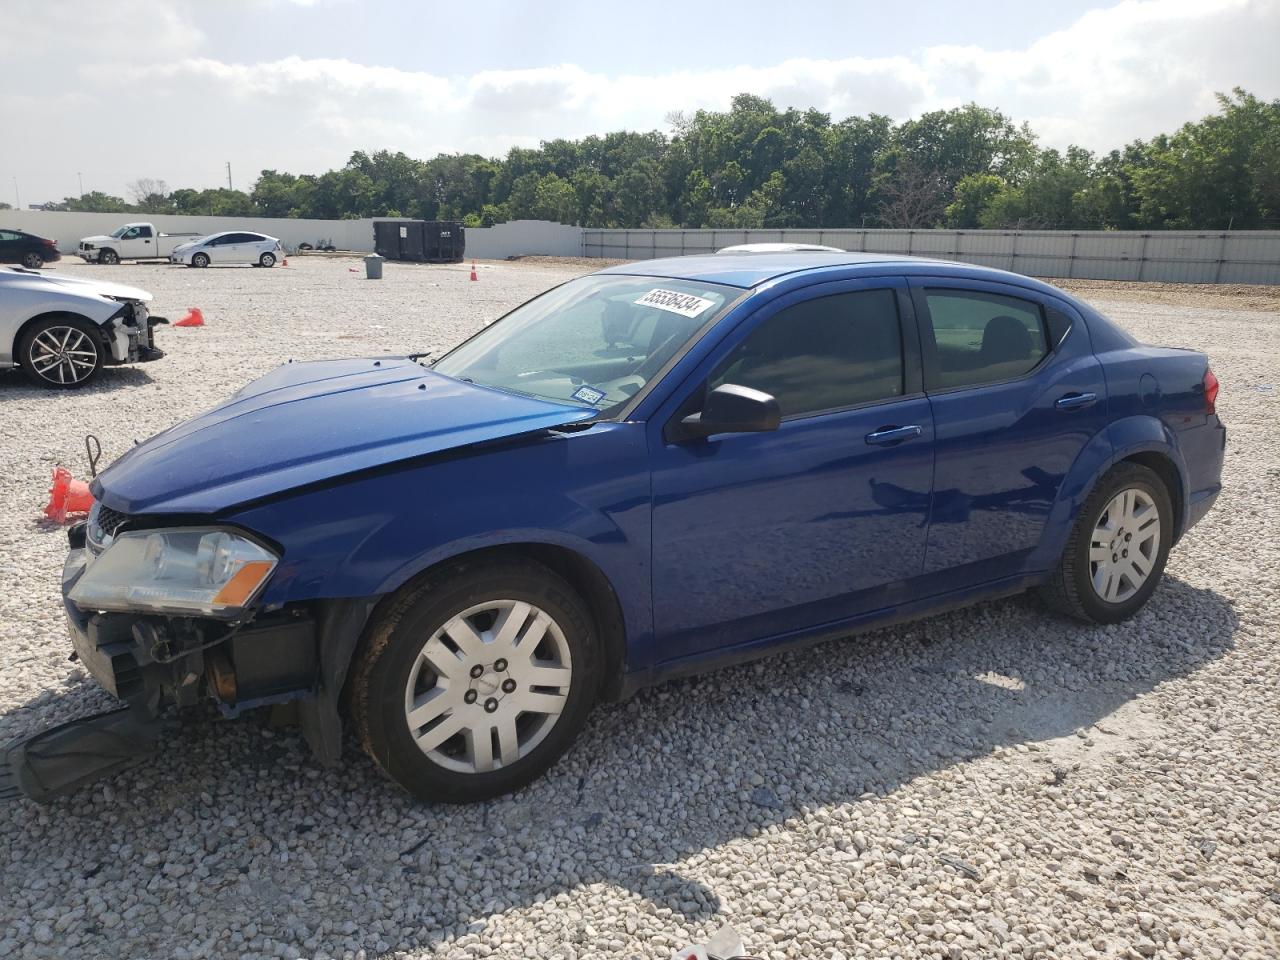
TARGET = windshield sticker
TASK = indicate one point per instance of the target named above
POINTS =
(685, 304)
(588, 395)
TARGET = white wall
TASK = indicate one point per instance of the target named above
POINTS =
(68, 228)
(522, 238)
(514, 239)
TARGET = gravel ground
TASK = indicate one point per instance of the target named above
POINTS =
(989, 783)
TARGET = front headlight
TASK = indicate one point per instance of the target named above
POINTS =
(186, 571)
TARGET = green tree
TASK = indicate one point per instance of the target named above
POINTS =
(973, 195)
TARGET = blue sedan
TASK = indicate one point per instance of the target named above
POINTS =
(656, 469)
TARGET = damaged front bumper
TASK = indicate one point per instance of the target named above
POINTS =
(152, 661)
(130, 334)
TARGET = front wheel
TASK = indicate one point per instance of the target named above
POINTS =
(61, 353)
(200, 260)
(32, 260)
(267, 260)
(109, 257)
(1117, 550)
(473, 682)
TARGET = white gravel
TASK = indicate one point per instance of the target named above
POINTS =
(990, 783)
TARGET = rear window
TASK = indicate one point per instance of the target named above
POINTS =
(983, 337)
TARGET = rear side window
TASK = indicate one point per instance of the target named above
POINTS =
(984, 337)
(823, 354)
(144, 231)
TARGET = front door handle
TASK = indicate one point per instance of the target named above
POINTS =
(1073, 400)
(894, 434)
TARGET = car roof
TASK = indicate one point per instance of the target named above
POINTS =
(777, 248)
(753, 269)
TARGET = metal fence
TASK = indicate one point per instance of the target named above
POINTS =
(1171, 256)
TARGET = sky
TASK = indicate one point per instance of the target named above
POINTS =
(102, 94)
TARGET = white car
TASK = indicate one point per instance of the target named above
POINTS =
(230, 246)
(62, 331)
(780, 248)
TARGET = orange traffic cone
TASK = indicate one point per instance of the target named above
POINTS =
(67, 496)
(194, 318)
(473, 271)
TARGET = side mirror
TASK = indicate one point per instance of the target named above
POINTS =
(730, 408)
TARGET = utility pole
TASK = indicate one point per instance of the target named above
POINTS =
(16, 196)
(229, 186)
(80, 177)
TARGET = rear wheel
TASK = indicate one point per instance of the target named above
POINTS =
(200, 260)
(32, 260)
(473, 682)
(1117, 550)
(108, 257)
(61, 353)
(267, 260)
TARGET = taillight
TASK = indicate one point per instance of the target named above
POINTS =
(1210, 392)
(50, 243)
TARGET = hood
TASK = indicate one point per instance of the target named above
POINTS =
(101, 288)
(309, 422)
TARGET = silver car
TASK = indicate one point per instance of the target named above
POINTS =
(62, 331)
(230, 246)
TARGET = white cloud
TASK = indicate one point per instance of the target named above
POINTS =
(1128, 71)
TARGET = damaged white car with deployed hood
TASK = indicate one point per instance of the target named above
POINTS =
(61, 331)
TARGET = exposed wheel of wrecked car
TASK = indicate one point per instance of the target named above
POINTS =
(1117, 551)
(473, 681)
(200, 260)
(108, 257)
(32, 260)
(61, 352)
(267, 260)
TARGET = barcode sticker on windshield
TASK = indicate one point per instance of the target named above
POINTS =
(685, 304)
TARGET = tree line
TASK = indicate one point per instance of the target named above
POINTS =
(757, 166)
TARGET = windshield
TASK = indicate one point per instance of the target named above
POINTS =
(595, 341)
(120, 232)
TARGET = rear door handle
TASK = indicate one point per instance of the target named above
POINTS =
(1073, 400)
(894, 434)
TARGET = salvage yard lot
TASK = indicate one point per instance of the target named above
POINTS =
(989, 783)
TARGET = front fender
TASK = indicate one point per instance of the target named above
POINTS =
(365, 536)
(1118, 441)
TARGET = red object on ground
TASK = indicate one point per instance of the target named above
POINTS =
(67, 496)
(473, 271)
(353, 269)
(194, 318)
(285, 263)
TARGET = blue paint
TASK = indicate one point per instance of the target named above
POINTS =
(367, 472)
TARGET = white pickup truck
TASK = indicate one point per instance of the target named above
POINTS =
(133, 241)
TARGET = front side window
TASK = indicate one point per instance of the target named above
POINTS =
(822, 354)
(984, 337)
(130, 234)
(595, 341)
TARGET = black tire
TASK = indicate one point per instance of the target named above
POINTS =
(1071, 590)
(32, 260)
(109, 257)
(305, 246)
(384, 666)
(267, 260)
(34, 354)
(200, 260)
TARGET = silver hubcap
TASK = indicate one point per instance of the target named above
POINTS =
(1125, 543)
(63, 355)
(488, 686)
